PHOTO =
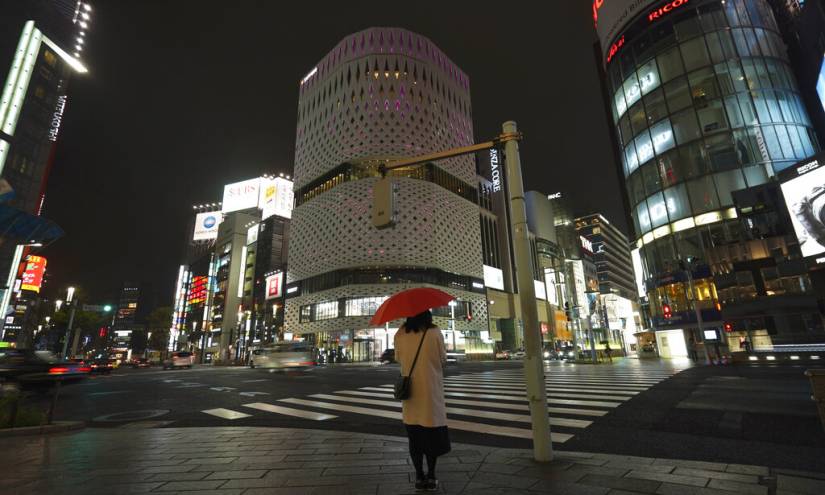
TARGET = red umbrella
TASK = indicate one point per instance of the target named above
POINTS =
(410, 303)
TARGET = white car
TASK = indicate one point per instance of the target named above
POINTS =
(182, 359)
(283, 355)
(518, 354)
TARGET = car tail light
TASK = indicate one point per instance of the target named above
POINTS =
(57, 370)
(84, 369)
(307, 363)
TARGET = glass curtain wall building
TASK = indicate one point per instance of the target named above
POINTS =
(703, 102)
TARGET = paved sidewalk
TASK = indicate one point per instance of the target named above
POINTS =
(252, 461)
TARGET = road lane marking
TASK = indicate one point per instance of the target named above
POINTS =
(568, 402)
(522, 418)
(252, 394)
(577, 389)
(110, 393)
(288, 411)
(222, 389)
(515, 393)
(254, 381)
(452, 423)
(494, 405)
(226, 413)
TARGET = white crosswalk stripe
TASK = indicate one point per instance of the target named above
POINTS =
(489, 402)
(226, 413)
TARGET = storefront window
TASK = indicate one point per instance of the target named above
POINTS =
(685, 126)
(695, 54)
(677, 202)
(363, 306)
(662, 136)
(670, 64)
(326, 310)
(712, 117)
(727, 182)
(703, 194)
(655, 106)
(678, 94)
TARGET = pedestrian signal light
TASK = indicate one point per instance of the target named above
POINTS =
(666, 311)
(102, 332)
(728, 326)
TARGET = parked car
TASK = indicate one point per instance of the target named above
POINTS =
(549, 354)
(456, 356)
(503, 355)
(27, 366)
(180, 359)
(140, 363)
(568, 353)
(101, 366)
(283, 355)
(519, 354)
(388, 356)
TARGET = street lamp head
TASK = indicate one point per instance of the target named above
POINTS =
(69, 294)
(107, 308)
(58, 304)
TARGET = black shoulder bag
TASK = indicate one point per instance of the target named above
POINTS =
(402, 383)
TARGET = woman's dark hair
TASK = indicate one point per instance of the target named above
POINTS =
(421, 321)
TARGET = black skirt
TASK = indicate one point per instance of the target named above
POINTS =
(433, 442)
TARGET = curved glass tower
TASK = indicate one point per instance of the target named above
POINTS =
(704, 103)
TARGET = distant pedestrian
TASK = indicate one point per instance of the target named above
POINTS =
(424, 412)
(608, 351)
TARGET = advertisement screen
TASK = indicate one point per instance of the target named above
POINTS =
(241, 195)
(805, 198)
(276, 198)
(197, 290)
(206, 225)
(274, 285)
(33, 274)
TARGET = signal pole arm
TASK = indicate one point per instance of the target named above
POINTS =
(452, 153)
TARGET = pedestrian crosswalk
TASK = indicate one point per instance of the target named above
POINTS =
(488, 402)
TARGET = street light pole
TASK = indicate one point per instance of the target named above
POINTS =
(533, 360)
(69, 297)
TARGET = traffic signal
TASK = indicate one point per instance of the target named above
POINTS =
(567, 311)
(666, 311)
(728, 327)
(102, 332)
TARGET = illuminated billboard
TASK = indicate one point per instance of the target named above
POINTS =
(804, 189)
(274, 285)
(276, 198)
(493, 277)
(197, 290)
(33, 273)
(241, 195)
(206, 225)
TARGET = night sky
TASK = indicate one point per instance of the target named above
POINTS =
(185, 96)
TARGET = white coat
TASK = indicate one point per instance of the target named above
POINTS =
(425, 407)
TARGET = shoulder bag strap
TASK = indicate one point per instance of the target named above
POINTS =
(417, 352)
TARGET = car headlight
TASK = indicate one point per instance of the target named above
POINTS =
(546, 354)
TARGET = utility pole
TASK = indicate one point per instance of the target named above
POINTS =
(533, 361)
(69, 333)
(696, 309)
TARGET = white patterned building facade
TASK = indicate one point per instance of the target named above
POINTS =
(380, 95)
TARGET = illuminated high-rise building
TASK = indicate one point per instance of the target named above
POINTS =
(379, 95)
(41, 43)
(702, 102)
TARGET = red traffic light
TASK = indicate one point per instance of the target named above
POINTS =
(666, 311)
(102, 332)
(728, 327)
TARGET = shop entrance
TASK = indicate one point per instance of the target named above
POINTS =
(363, 350)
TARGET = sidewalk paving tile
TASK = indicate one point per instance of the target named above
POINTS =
(807, 486)
(742, 478)
(735, 486)
(237, 475)
(190, 485)
(630, 484)
(672, 489)
(669, 478)
(561, 487)
(744, 469)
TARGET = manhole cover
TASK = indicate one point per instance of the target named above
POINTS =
(130, 416)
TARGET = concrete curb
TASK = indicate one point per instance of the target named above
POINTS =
(56, 427)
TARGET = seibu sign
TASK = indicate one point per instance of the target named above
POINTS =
(611, 17)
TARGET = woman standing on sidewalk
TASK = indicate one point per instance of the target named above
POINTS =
(424, 413)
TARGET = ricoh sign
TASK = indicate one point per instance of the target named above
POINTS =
(611, 17)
